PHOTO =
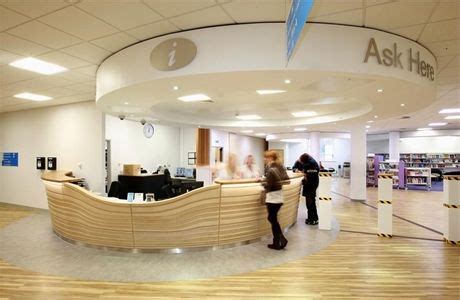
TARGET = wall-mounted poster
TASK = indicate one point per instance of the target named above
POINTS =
(10, 159)
(192, 155)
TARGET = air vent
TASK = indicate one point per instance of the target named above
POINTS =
(405, 117)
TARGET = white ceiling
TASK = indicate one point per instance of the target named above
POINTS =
(79, 35)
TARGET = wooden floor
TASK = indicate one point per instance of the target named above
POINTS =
(358, 265)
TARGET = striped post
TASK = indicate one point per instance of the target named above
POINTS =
(325, 201)
(385, 207)
(451, 204)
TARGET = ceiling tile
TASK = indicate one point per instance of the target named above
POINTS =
(78, 23)
(44, 35)
(115, 42)
(89, 70)
(63, 59)
(19, 46)
(9, 18)
(377, 2)
(59, 92)
(399, 14)
(411, 32)
(34, 8)
(441, 31)
(444, 48)
(326, 7)
(88, 52)
(206, 17)
(443, 61)
(152, 30)
(455, 62)
(7, 57)
(454, 71)
(73, 77)
(121, 14)
(9, 74)
(354, 17)
(263, 10)
(446, 9)
(172, 8)
(449, 80)
(83, 87)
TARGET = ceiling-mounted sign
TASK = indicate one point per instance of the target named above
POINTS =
(295, 22)
(173, 54)
(393, 57)
(10, 159)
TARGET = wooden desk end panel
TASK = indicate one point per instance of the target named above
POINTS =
(187, 221)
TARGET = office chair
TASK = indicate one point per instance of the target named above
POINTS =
(115, 189)
(172, 187)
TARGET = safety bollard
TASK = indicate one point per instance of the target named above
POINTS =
(325, 201)
(451, 206)
(385, 207)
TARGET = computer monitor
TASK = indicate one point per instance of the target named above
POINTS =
(188, 173)
(180, 172)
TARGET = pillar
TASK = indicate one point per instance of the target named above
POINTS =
(385, 206)
(394, 145)
(358, 163)
(325, 201)
(314, 145)
(451, 204)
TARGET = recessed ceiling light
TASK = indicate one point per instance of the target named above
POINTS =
(368, 126)
(260, 134)
(452, 117)
(194, 98)
(449, 111)
(367, 130)
(37, 66)
(306, 113)
(33, 97)
(126, 103)
(175, 87)
(424, 128)
(293, 140)
(379, 90)
(248, 117)
(269, 92)
(402, 104)
(370, 121)
(437, 124)
(247, 131)
(375, 117)
(300, 129)
(287, 81)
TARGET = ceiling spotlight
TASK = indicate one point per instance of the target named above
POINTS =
(368, 126)
(402, 104)
(269, 92)
(175, 87)
(287, 81)
(375, 117)
(33, 97)
(370, 121)
(300, 129)
(248, 117)
(247, 131)
(260, 134)
(437, 124)
(126, 103)
(306, 113)
(452, 117)
(379, 90)
(194, 98)
(424, 129)
(37, 66)
(449, 111)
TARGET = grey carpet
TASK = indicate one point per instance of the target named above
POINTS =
(31, 244)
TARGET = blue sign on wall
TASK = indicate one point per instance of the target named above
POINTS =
(10, 159)
(295, 22)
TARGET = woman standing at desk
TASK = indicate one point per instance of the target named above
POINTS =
(230, 170)
(250, 169)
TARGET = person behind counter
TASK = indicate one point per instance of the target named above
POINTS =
(297, 167)
(230, 170)
(249, 169)
(310, 184)
(275, 175)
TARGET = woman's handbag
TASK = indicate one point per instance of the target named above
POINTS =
(263, 197)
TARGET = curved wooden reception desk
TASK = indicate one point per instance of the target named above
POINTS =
(222, 214)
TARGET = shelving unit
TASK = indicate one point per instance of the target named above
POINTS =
(395, 168)
(373, 169)
(431, 160)
(418, 176)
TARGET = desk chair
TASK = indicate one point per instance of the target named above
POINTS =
(115, 189)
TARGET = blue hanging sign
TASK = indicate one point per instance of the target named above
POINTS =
(10, 159)
(295, 22)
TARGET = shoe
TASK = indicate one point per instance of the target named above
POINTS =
(307, 221)
(312, 222)
(274, 247)
(283, 242)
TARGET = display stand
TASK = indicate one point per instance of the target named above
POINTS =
(373, 169)
(325, 201)
(451, 204)
(418, 177)
(385, 206)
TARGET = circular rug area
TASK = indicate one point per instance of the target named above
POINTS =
(31, 244)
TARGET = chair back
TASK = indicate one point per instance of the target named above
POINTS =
(115, 189)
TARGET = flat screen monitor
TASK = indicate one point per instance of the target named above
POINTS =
(188, 173)
(180, 172)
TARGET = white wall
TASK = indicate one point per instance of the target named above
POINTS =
(342, 152)
(378, 146)
(438, 144)
(129, 146)
(187, 144)
(73, 133)
(243, 145)
(220, 138)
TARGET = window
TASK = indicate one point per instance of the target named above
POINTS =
(326, 151)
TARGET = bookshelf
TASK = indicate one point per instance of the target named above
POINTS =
(431, 160)
(418, 176)
(372, 169)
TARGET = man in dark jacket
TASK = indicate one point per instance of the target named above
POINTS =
(310, 184)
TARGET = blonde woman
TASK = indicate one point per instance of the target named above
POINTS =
(250, 169)
(230, 170)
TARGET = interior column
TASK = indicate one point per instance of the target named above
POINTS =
(314, 145)
(358, 164)
(394, 145)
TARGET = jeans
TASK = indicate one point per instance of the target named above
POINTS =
(273, 209)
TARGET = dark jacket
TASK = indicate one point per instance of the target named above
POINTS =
(311, 181)
(297, 166)
(275, 174)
